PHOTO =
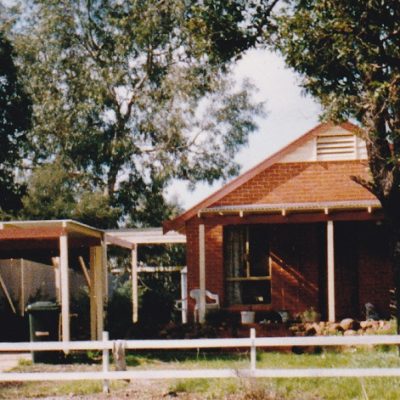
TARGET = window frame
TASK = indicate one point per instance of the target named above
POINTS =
(247, 265)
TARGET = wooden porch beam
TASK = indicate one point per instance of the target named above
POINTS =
(96, 293)
(331, 271)
(135, 294)
(290, 218)
(65, 328)
(202, 273)
(85, 271)
(33, 233)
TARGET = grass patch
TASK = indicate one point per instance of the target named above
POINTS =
(187, 359)
(243, 389)
(21, 390)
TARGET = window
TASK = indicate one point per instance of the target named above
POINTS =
(247, 264)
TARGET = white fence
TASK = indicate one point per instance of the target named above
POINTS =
(250, 343)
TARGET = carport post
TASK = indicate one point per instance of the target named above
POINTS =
(331, 271)
(96, 292)
(135, 296)
(184, 294)
(64, 287)
(202, 274)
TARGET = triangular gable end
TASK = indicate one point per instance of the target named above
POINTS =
(325, 142)
(329, 143)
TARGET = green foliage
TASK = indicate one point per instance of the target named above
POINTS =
(15, 118)
(119, 310)
(136, 94)
(80, 315)
(54, 193)
(348, 55)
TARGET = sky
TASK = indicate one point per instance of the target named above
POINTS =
(289, 115)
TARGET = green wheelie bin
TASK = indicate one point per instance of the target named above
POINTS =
(44, 319)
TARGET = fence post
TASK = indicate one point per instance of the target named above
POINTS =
(106, 362)
(253, 354)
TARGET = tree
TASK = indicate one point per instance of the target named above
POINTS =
(15, 113)
(348, 54)
(52, 193)
(133, 93)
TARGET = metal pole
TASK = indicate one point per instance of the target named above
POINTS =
(106, 363)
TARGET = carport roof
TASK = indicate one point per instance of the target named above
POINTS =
(129, 238)
(46, 229)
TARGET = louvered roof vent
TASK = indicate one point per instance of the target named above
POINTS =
(336, 147)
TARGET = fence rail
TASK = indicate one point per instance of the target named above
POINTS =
(251, 343)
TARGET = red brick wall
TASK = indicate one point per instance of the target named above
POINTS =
(375, 270)
(214, 257)
(362, 268)
(299, 266)
(302, 182)
(295, 267)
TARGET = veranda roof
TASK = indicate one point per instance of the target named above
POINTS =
(129, 238)
(284, 208)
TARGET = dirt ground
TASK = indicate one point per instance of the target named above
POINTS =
(143, 390)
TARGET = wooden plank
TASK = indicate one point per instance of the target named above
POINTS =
(96, 299)
(184, 295)
(22, 288)
(151, 269)
(85, 271)
(118, 241)
(248, 278)
(331, 271)
(135, 295)
(84, 230)
(57, 277)
(92, 292)
(104, 265)
(31, 233)
(293, 217)
(202, 273)
(206, 343)
(65, 327)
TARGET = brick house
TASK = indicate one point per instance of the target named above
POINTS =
(294, 232)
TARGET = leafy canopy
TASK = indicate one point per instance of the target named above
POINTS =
(348, 55)
(15, 116)
(131, 95)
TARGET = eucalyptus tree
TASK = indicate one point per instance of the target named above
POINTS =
(128, 93)
(15, 112)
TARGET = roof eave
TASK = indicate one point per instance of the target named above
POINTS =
(178, 223)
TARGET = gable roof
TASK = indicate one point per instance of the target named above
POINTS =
(178, 222)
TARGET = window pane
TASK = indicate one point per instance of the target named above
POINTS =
(246, 256)
(258, 250)
(249, 292)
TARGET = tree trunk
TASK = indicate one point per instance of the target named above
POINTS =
(396, 270)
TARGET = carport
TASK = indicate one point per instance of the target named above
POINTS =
(131, 239)
(56, 240)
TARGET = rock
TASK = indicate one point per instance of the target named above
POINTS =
(349, 323)
(350, 332)
(310, 331)
(365, 324)
(318, 328)
(334, 328)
